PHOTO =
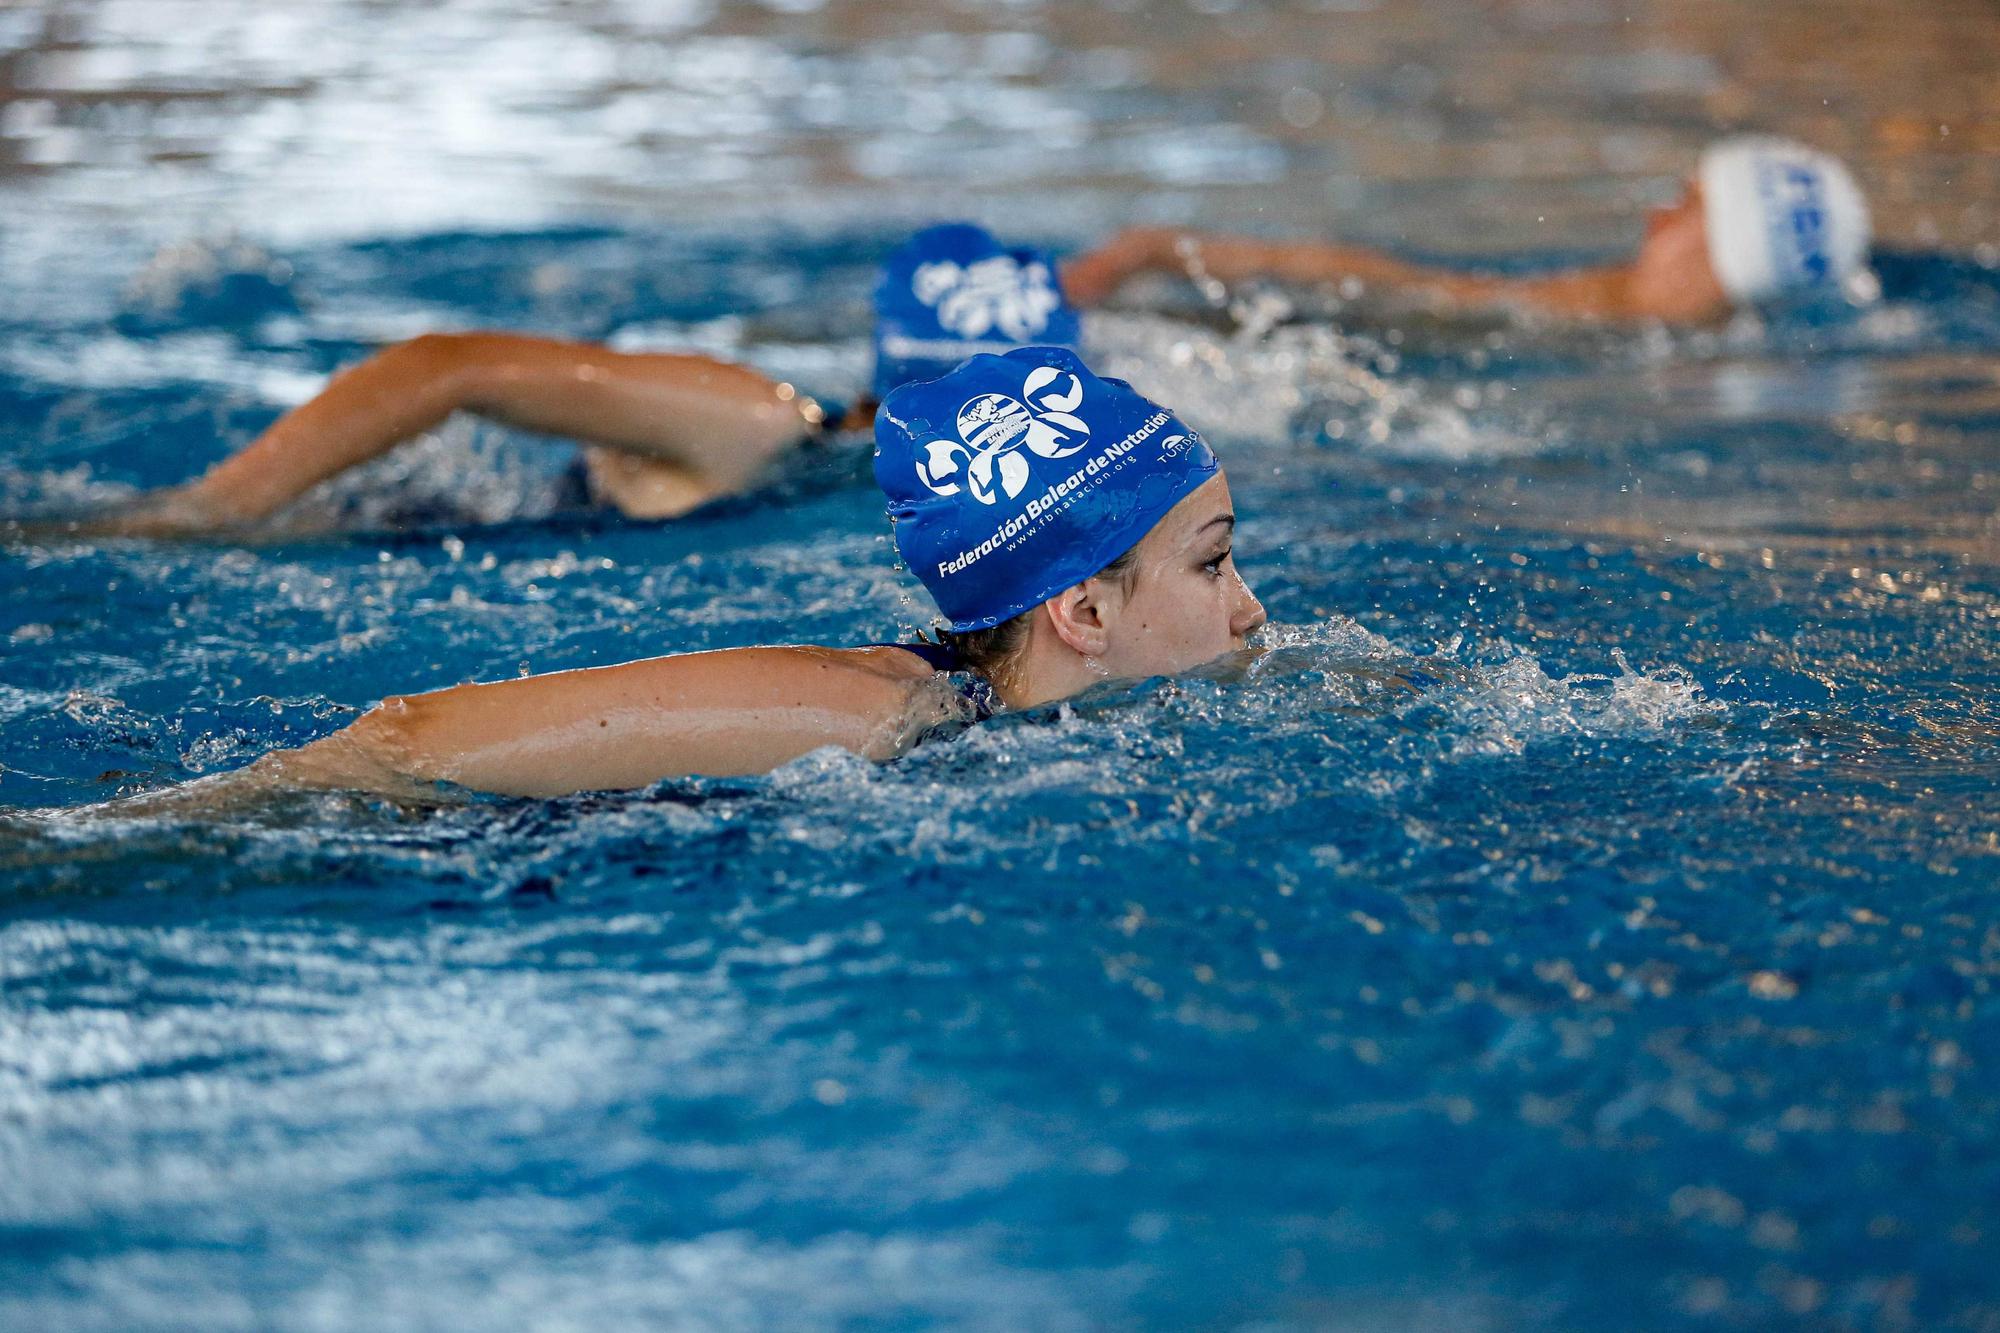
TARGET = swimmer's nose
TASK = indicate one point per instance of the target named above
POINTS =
(1249, 614)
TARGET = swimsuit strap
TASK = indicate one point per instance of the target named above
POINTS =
(942, 657)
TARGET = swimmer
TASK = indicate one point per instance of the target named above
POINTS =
(1761, 219)
(1069, 530)
(662, 432)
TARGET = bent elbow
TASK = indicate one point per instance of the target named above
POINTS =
(388, 733)
(432, 350)
(382, 742)
(375, 752)
(447, 362)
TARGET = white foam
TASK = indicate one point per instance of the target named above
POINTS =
(111, 361)
(1517, 702)
(1270, 382)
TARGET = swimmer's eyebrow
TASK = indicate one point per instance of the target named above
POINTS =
(1227, 520)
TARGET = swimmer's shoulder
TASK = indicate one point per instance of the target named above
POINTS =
(907, 690)
(875, 700)
(887, 661)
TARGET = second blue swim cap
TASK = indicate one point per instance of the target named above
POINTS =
(953, 291)
(1016, 476)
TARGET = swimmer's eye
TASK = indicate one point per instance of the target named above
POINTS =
(1214, 566)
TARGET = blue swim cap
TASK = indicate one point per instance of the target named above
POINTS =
(953, 291)
(1016, 476)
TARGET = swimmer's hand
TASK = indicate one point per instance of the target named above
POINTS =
(177, 511)
(332, 765)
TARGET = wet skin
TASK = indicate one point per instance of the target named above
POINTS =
(1184, 603)
(1179, 604)
(1672, 277)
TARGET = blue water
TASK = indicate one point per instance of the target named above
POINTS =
(1553, 925)
(1579, 918)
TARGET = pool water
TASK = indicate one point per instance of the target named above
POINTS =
(1580, 916)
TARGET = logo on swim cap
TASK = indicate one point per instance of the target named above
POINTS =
(1016, 476)
(993, 428)
(953, 291)
(1780, 217)
(1013, 295)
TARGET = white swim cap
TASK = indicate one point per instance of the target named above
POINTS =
(1781, 216)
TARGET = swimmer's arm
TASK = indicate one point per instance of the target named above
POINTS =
(704, 427)
(731, 712)
(1093, 277)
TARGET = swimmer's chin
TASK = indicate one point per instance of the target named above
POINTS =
(1233, 665)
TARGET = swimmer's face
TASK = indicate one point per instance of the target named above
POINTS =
(1672, 277)
(1183, 602)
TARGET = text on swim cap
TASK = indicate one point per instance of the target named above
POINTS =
(1797, 221)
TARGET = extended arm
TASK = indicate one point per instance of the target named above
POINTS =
(735, 711)
(693, 426)
(1091, 278)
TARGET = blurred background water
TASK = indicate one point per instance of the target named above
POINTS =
(1581, 918)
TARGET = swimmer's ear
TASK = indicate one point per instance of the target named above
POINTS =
(1076, 614)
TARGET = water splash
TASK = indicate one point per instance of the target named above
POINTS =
(464, 471)
(1268, 383)
(1516, 703)
(227, 282)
